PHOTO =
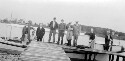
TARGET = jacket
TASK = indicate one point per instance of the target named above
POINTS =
(51, 25)
(40, 32)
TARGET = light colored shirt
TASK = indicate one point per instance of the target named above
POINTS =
(40, 27)
(53, 24)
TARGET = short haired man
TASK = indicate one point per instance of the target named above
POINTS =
(61, 29)
(53, 27)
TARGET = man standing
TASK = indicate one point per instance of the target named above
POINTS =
(92, 39)
(26, 33)
(24, 37)
(40, 32)
(53, 26)
(108, 39)
(61, 29)
(76, 33)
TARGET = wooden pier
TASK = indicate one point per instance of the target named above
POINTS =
(39, 51)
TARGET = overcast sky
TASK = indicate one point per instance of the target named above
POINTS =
(99, 13)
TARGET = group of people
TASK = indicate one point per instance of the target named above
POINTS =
(108, 40)
(29, 33)
(73, 32)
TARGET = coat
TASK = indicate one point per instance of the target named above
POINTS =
(40, 32)
(69, 32)
(92, 36)
(25, 30)
(51, 25)
(107, 40)
(76, 30)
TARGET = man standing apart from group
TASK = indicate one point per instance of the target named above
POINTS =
(61, 29)
(92, 39)
(76, 33)
(26, 34)
(53, 26)
(40, 32)
(108, 39)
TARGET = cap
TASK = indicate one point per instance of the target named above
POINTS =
(62, 20)
(54, 18)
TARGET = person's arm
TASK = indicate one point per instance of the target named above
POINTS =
(37, 32)
(72, 28)
(58, 27)
(79, 29)
(43, 31)
(23, 31)
(111, 40)
(65, 27)
(50, 23)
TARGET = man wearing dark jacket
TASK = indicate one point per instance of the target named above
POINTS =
(108, 39)
(40, 32)
(53, 26)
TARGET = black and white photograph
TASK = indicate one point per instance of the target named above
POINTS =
(62, 30)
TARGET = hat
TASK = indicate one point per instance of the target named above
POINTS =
(70, 22)
(62, 20)
(54, 18)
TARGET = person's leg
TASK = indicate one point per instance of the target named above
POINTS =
(37, 38)
(50, 34)
(62, 38)
(107, 47)
(92, 44)
(110, 57)
(74, 41)
(41, 39)
(54, 33)
(58, 38)
(70, 42)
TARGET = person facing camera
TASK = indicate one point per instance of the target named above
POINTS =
(61, 29)
(40, 32)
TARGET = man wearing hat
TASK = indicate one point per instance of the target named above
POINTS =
(61, 29)
(76, 33)
(26, 33)
(53, 26)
